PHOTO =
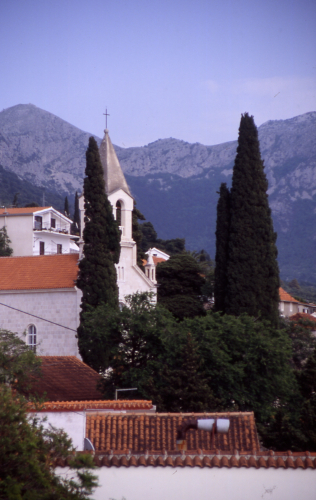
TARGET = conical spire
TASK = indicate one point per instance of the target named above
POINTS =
(113, 174)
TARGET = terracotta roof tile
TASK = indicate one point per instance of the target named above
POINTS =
(66, 379)
(38, 272)
(22, 210)
(158, 432)
(305, 316)
(286, 297)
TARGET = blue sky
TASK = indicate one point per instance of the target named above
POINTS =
(185, 69)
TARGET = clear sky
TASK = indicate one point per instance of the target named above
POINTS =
(163, 68)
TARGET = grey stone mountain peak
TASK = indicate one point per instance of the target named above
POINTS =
(113, 175)
(175, 182)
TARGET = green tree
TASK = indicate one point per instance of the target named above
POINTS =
(18, 364)
(28, 454)
(137, 235)
(76, 222)
(5, 249)
(66, 207)
(97, 274)
(180, 286)
(252, 271)
(222, 239)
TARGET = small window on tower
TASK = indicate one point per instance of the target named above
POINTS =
(118, 213)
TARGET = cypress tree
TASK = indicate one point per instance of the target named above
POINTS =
(97, 274)
(66, 207)
(76, 221)
(252, 271)
(221, 258)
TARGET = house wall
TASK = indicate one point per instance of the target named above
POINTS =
(73, 423)
(61, 306)
(20, 232)
(287, 309)
(157, 483)
(51, 240)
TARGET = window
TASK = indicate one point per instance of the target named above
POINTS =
(53, 222)
(32, 337)
(59, 248)
(38, 222)
(42, 247)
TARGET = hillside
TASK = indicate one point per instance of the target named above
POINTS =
(175, 183)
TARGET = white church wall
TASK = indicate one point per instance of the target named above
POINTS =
(61, 306)
(170, 483)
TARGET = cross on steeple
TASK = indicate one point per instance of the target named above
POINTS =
(106, 118)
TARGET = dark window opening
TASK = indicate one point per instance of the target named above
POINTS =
(53, 222)
(118, 213)
(38, 222)
(59, 248)
(42, 248)
(32, 338)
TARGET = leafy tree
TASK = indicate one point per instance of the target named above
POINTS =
(28, 453)
(32, 204)
(97, 274)
(76, 222)
(66, 207)
(180, 283)
(222, 238)
(18, 364)
(252, 271)
(149, 240)
(5, 249)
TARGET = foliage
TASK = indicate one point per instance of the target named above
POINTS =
(150, 239)
(252, 269)
(18, 364)
(28, 453)
(221, 258)
(180, 286)
(137, 234)
(75, 227)
(5, 249)
(97, 274)
(66, 207)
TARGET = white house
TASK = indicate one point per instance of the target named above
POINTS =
(130, 278)
(39, 298)
(38, 231)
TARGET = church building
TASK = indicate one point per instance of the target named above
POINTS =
(130, 278)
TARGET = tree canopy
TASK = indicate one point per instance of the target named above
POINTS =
(5, 249)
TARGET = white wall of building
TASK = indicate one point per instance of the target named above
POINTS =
(73, 423)
(60, 306)
(20, 232)
(168, 483)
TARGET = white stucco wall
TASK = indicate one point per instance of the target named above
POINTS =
(59, 306)
(167, 483)
(73, 423)
(20, 232)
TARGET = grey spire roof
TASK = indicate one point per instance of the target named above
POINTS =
(113, 174)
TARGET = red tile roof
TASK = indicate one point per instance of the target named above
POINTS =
(304, 316)
(286, 297)
(117, 405)
(157, 432)
(205, 459)
(25, 210)
(40, 272)
(66, 378)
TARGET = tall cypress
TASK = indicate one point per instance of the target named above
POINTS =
(221, 258)
(97, 274)
(76, 220)
(66, 207)
(252, 271)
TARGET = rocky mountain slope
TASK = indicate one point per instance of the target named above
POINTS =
(175, 183)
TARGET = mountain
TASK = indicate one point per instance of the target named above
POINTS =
(175, 183)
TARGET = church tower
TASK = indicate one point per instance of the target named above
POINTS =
(130, 278)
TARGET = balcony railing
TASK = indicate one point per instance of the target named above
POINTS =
(44, 227)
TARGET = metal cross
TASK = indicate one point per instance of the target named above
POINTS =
(106, 118)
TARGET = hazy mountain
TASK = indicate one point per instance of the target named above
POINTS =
(175, 183)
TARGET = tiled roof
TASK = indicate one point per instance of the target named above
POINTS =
(117, 405)
(305, 316)
(66, 378)
(39, 272)
(203, 459)
(25, 210)
(158, 259)
(286, 297)
(157, 433)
